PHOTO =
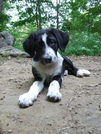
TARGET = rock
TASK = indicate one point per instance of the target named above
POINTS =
(2, 98)
(100, 107)
(11, 51)
(6, 39)
(9, 131)
(21, 121)
(3, 43)
(9, 57)
(47, 117)
(49, 124)
(6, 46)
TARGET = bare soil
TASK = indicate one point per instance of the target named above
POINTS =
(79, 111)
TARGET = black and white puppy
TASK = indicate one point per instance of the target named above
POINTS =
(47, 64)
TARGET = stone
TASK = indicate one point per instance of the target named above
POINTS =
(11, 51)
(6, 39)
(6, 46)
(9, 131)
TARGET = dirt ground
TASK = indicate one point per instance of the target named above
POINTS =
(79, 111)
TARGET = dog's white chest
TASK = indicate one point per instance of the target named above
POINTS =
(49, 70)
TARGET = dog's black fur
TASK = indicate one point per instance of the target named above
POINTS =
(47, 64)
(62, 40)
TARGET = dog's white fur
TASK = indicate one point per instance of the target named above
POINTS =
(46, 71)
(48, 50)
(82, 72)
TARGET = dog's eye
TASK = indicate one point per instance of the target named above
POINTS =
(38, 43)
(52, 42)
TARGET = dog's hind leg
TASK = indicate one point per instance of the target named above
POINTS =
(82, 72)
(72, 70)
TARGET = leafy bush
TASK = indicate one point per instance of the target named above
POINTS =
(4, 18)
(79, 44)
(20, 33)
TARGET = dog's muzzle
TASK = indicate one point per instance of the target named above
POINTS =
(47, 60)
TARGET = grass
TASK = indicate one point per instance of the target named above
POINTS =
(79, 44)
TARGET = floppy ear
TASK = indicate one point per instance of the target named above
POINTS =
(28, 45)
(62, 38)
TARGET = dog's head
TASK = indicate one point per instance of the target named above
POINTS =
(42, 45)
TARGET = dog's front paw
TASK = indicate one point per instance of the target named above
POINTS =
(82, 72)
(54, 96)
(26, 100)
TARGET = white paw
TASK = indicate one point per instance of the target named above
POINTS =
(65, 72)
(82, 72)
(26, 100)
(54, 96)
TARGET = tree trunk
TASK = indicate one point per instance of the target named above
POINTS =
(38, 15)
(57, 4)
(39, 10)
(37, 18)
(1, 5)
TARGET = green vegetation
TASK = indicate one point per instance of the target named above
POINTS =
(81, 19)
(21, 33)
(81, 44)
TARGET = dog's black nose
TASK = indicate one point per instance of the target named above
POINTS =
(47, 60)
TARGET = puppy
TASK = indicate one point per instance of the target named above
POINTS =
(47, 64)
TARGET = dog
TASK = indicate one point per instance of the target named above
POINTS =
(48, 65)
